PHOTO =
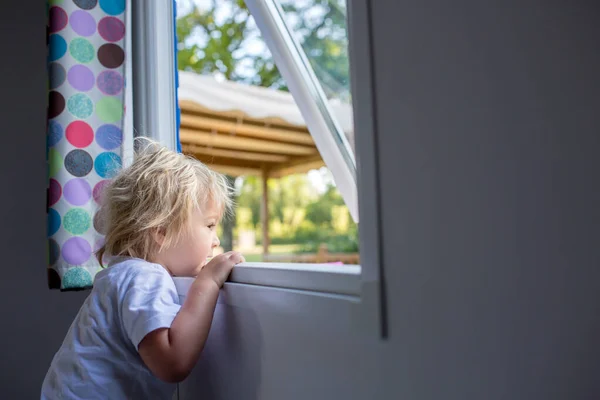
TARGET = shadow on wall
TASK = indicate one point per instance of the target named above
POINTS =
(231, 361)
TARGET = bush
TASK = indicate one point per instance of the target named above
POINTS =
(311, 237)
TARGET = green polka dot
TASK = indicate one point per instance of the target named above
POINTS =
(109, 109)
(76, 221)
(81, 50)
(76, 278)
(80, 105)
(55, 162)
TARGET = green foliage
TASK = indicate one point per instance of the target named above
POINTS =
(318, 224)
(223, 38)
(321, 26)
(311, 237)
(228, 224)
(250, 197)
(319, 212)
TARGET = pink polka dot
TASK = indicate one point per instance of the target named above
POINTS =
(54, 192)
(80, 134)
(58, 19)
(110, 82)
(99, 189)
(100, 223)
(111, 29)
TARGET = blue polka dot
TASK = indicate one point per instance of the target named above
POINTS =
(80, 105)
(55, 133)
(53, 221)
(76, 278)
(57, 46)
(77, 221)
(109, 136)
(82, 50)
(107, 164)
(112, 7)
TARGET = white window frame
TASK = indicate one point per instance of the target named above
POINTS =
(154, 114)
(309, 96)
(153, 74)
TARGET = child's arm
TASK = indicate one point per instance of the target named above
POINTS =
(171, 353)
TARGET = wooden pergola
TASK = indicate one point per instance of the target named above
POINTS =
(232, 142)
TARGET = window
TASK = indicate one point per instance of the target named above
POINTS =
(308, 92)
(319, 94)
(238, 117)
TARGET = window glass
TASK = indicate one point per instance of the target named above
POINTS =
(320, 27)
(238, 117)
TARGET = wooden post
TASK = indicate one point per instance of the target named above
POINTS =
(264, 212)
(322, 254)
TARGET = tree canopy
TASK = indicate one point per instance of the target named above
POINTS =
(223, 38)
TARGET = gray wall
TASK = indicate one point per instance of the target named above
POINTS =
(34, 320)
(489, 132)
(489, 123)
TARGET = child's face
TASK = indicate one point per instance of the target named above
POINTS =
(187, 257)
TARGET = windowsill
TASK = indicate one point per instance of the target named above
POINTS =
(324, 278)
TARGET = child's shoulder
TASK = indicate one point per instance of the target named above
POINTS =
(126, 269)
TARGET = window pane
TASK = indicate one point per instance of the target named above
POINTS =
(239, 118)
(320, 27)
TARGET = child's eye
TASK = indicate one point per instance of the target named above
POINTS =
(212, 226)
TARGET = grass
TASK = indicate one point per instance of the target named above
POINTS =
(255, 254)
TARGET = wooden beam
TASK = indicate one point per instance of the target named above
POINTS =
(240, 155)
(246, 129)
(230, 161)
(233, 170)
(242, 143)
(298, 166)
(187, 105)
(264, 211)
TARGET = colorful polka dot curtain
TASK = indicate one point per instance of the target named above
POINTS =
(86, 105)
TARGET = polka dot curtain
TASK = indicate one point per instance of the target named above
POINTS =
(86, 97)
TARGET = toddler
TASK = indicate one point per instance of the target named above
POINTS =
(131, 338)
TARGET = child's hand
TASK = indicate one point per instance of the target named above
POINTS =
(219, 268)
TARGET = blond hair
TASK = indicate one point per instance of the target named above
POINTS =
(157, 193)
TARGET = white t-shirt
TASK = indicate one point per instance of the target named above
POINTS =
(98, 358)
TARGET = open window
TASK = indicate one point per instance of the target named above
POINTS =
(239, 117)
(314, 126)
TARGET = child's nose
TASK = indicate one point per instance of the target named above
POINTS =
(216, 242)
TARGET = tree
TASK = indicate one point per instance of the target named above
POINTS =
(291, 193)
(250, 196)
(216, 40)
(223, 38)
(319, 212)
(228, 223)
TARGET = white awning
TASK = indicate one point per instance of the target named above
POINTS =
(254, 101)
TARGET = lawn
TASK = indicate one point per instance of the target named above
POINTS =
(255, 254)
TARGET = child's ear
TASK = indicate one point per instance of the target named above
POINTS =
(159, 235)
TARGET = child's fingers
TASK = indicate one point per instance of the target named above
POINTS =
(236, 257)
